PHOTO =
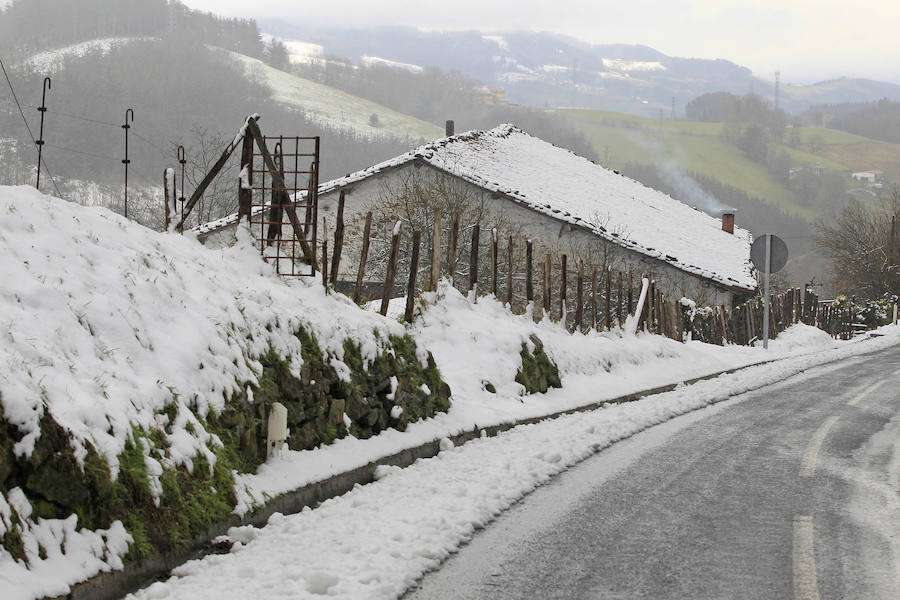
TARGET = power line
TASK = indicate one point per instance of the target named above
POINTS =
(82, 152)
(24, 120)
(80, 118)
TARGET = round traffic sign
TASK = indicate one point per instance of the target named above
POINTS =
(779, 253)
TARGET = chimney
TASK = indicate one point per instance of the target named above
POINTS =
(448, 129)
(728, 222)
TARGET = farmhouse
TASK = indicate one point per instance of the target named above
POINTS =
(565, 204)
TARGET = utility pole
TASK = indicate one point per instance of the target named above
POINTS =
(673, 108)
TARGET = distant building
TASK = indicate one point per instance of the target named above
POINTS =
(868, 176)
(564, 203)
(494, 96)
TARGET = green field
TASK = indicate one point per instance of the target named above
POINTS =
(619, 139)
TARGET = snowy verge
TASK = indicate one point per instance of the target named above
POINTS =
(478, 343)
(377, 540)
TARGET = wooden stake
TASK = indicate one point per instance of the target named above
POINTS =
(594, 323)
(338, 240)
(357, 293)
(620, 317)
(630, 292)
(562, 291)
(529, 268)
(495, 259)
(245, 195)
(391, 270)
(509, 272)
(547, 285)
(413, 272)
(435, 252)
(473, 259)
(451, 253)
(325, 265)
(608, 299)
(579, 297)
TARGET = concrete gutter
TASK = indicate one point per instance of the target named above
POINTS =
(138, 574)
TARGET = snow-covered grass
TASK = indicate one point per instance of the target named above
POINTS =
(338, 109)
(109, 328)
(49, 61)
(377, 540)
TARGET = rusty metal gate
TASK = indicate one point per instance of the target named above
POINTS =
(284, 218)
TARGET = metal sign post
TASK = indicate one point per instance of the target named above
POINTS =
(768, 254)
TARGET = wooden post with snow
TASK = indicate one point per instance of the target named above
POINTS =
(171, 195)
(630, 291)
(391, 269)
(435, 252)
(245, 192)
(338, 241)
(594, 322)
(413, 272)
(473, 259)
(364, 255)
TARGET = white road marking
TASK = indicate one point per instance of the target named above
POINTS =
(808, 463)
(806, 585)
(867, 391)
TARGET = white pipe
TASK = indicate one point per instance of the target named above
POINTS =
(631, 322)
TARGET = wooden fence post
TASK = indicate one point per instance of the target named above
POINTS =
(579, 296)
(595, 324)
(547, 285)
(436, 251)
(529, 282)
(619, 316)
(608, 299)
(338, 240)
(413, 272)
(364, 255)
(391, 269)
(562, 290)
(630, 292)
(495, 259)
(171, 195)
(473, 260)
(509, 272)
(245, 191)
(325, 265)
(451, 253)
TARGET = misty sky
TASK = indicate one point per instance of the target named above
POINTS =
(808, 40)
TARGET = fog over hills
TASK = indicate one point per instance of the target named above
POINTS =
(549, 69)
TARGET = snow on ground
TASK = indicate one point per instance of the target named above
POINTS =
(50, 61)
(335, 108)
(371, 61)
(620, 64)
(105, 322)
(377, 540)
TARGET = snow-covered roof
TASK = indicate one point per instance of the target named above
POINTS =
(570, 188)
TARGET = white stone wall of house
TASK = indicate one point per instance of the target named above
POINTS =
(548, 234)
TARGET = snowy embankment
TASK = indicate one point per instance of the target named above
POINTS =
(111, 330)
(377, 540)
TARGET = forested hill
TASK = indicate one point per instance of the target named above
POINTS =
(30, 26)
(877, 120)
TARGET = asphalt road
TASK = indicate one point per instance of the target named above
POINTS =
(787, 492)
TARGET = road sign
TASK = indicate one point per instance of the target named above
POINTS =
(779, 253)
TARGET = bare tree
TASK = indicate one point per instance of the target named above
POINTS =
(864, 255)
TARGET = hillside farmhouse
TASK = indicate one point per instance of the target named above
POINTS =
(564, 203)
